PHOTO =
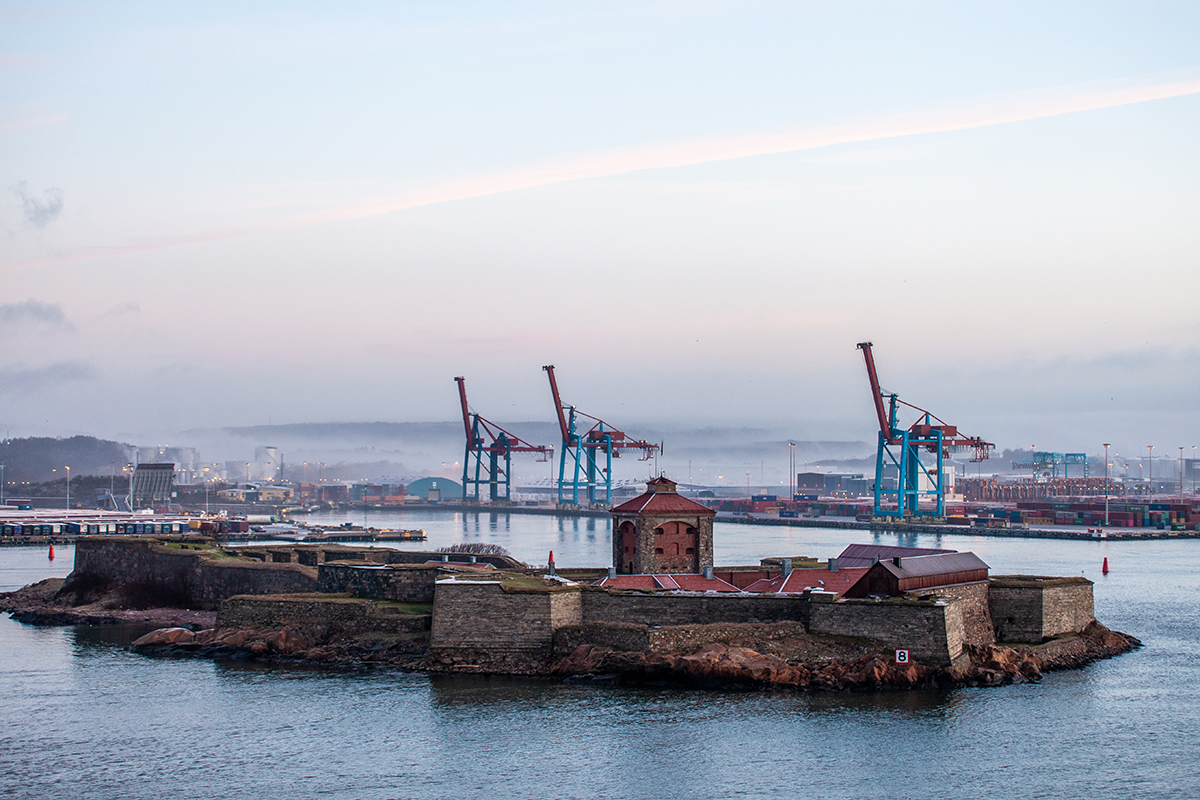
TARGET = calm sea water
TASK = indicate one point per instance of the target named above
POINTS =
(82, 717)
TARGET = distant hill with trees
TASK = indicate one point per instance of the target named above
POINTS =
(40, 459)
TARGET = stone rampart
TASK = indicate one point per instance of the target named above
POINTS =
(669, 639)
(617, 635)
(976, 613)
(483, 615)
(193, 577)
(343, 616)
(407, 583)
(312, 555)
(1031, 608)
(664, 609)
(932, 632)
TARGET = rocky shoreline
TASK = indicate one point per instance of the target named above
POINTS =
(715, 665)
(723, 665)
(44, 603)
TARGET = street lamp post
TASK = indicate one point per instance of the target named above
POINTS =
(1150, 458)
(1181, 475)
(1106, 445)
(791, 471)
(68, 469)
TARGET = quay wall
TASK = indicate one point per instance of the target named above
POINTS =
(183, 576)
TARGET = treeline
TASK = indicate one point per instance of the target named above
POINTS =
(40, 459)
(85, 489)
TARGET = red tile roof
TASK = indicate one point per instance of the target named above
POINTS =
(697, 583)
(628, 582)
(800, 579)
(683, 582)
(662, 503)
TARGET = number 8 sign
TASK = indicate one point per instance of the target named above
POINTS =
(901, 656)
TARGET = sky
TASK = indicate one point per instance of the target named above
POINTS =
(228, 214)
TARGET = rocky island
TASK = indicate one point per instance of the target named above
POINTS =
(489, 615)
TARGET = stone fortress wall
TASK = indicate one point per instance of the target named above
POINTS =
(480, 616)
(932, 631)
(313, 555)
(344, 616)
(1030, 608)
(409, 583)
(484, 615)
(191, 575)
(661, 608)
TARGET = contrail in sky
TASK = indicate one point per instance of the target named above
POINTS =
(1017, 107)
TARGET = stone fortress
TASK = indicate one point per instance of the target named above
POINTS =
(663, 586)
(661, 599)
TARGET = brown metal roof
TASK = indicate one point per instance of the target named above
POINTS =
(864, 555)
(940, 564)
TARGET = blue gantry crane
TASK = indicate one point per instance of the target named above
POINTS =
(917, 452)
(490, 447)
(586, 442)
(1049, 464)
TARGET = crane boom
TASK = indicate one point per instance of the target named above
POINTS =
(591, 444)
(490, 446)
(462, 395)
(876, 393)
(558, 406)
(906, 450)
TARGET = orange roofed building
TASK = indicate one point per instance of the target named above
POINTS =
(662, 532)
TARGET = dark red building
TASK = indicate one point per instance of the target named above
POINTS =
(899, 575)
(662, 532)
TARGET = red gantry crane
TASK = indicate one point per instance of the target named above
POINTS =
(584, 448)
(487, 441)
(903, 447)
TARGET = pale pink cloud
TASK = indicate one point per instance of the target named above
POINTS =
(1017, 107)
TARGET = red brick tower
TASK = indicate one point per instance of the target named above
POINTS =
(662, 532)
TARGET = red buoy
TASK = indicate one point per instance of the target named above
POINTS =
(51, 552)
(1104, 568)
(551, 556)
